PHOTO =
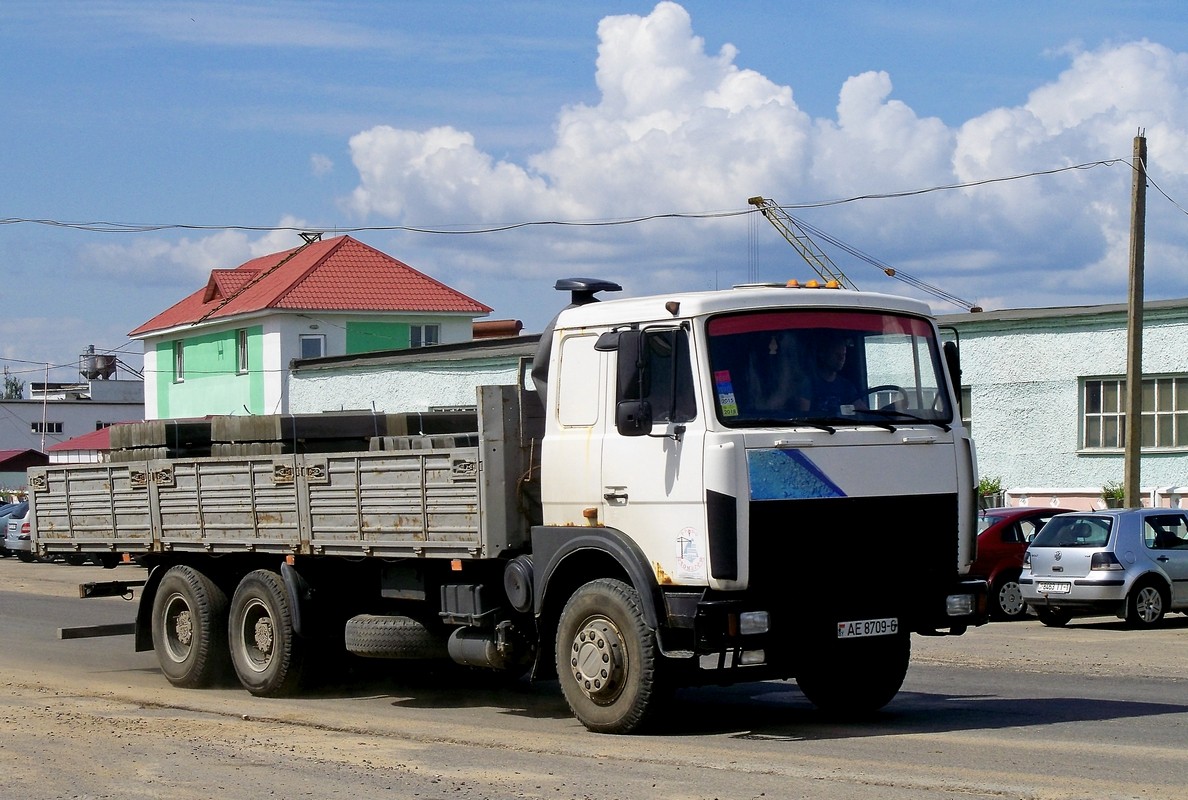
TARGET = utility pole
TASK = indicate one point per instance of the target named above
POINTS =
(1134, 325)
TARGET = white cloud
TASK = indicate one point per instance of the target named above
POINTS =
(320, 165)
(188, 261)
(679, 129)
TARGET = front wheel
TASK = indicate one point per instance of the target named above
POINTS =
(265, 650)
(854, 678)
(1008, 599)
(606, 658)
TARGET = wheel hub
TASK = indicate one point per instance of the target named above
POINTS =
(183, 628)
(1010, 598)
(263, 636)
(598, 660)
(1150, 603)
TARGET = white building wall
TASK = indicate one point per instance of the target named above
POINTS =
(1025, 384)
(77, 417)
(151, 368)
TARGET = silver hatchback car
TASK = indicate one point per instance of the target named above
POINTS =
(1131, 562)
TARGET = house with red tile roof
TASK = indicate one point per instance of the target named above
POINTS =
(226, 348)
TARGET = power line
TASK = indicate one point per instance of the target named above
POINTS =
(467, 230)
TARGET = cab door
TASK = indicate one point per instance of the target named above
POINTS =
(652, 487)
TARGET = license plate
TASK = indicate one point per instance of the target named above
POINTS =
(867, 627)
(1053, 588)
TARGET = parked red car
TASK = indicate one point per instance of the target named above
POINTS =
(1003, 534)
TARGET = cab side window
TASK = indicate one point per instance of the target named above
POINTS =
(666, 378)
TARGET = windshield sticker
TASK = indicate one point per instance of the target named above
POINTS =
(787, 475)
(726, 399)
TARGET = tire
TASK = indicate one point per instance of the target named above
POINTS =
(607, 658)
(373, 636)
(265, 651)
(1053, 616)
(26, 557)
(1146, 604)
(189, 627)
(853, 679)
(1007, 599)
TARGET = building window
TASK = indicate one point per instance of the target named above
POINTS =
(423, 335)
(1164, 413)
(241, 351)
(47, 427)
(179, 361)
(313, 345)
(100, 425)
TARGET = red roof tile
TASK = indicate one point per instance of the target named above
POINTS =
(95, 440)
(340, 274)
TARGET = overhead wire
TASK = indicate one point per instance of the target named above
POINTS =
(99, 226)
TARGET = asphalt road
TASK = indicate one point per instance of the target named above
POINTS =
(1008, 711)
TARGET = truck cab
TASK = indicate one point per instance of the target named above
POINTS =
(781, 470)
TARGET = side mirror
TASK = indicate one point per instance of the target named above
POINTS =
(633, 417)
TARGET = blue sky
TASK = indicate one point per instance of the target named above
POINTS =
(469, 115)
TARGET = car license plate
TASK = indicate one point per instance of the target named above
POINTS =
(868, 627)
(1053, 588)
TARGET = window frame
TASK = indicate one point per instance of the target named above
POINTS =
(241, 351)
(1102, 401)
(419, 334)
(179, 360)
(320, 338)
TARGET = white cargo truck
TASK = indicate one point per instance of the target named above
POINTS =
(766, 482)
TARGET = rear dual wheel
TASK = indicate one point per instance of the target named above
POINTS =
(190, 628)
(265, 651)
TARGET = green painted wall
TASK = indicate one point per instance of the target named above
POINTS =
(212, 383)
(367, 337)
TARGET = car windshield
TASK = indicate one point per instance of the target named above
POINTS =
(825, 368)
(1069, 530)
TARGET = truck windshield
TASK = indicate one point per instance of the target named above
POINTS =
(826, 368)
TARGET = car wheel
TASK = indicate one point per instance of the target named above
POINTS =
(1145, 605)
(1053, 616)
(854, 678)
(265, 650)
(1008, 599)
(189, 626)
(607, 659)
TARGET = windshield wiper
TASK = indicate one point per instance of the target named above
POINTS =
(784, 422)
(904, 415)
